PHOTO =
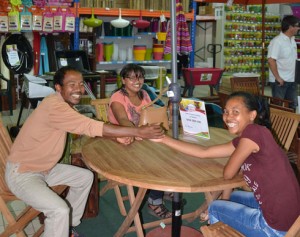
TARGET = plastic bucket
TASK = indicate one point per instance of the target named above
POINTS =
(148, 55)
(158, 50)
(161, 36)
(108, 51)
(167, 56)
(139, 55)
(158, 55)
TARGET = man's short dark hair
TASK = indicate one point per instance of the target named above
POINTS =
(288, 21)
(60, 74)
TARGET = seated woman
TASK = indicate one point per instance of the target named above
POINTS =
(124, 109)
(274, 203)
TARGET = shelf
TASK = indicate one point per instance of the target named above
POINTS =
(128, 13)
(136, 36)
(205, 18)
(133, 61)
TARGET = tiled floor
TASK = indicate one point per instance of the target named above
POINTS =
(18, 206)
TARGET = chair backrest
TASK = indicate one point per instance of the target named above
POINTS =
(247, 84)
(101, 107)
(5, 145)
(284, 126)
(202, 76)
(278, 103)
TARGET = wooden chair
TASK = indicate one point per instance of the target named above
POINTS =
(220, 229)
(247, 84)
(16, 224)
(278, 103)
(251, 85)
(284, 126)
(101, 107)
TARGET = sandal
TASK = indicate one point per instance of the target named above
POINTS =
(159, 211)
(168, 196)
(204, 216)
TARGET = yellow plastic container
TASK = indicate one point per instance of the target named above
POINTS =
(158, 50)
(139, 55)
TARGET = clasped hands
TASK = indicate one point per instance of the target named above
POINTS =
(154, 131)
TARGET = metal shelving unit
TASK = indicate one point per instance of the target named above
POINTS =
(208, 22)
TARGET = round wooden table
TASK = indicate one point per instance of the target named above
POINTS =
(149, 165)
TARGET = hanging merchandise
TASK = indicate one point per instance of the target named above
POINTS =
(53, 3)
(27, 3)
(48, 21)
(184, 45)
(59, 20)
(15, 3)
(36, 52)
(13, 20)
(37, 19)
(17, 53)
(120, 22)
(26, 20)
(140, 23)
(69, 23)
(4, 22)
(39, 3)
(67, 3)
(154, 25)
(162, 29)
(44, 59)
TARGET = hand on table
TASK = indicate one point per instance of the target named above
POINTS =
(125, 140)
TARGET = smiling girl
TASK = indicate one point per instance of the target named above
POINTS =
(274, 203)
(125, 108)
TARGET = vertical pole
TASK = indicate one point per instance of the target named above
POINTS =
(76, 33)
(176, 204)
(193, 36)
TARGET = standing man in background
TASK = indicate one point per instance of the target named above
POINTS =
(282, 55)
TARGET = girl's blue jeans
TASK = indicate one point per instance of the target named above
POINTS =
(242, 213)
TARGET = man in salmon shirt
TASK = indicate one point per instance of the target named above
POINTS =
(32, 165)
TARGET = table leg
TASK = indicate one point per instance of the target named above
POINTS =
(137, 220)
(133, 213)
